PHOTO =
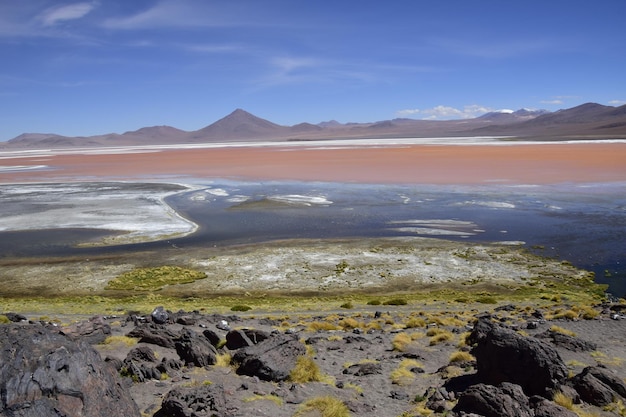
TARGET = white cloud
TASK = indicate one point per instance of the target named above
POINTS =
(617, 102)
(555, 101)
(446, 112)
(70, 12)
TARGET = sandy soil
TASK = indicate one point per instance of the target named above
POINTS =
(435, 164)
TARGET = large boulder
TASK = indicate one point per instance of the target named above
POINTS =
(201, 401)
(154, 334)
(237, 339)
(568, 342)
(45, 373)
(93, 331)
(271, 360)
(141, 364)
(490, 401)
(598, 386)
(503, 355)
(195, 349)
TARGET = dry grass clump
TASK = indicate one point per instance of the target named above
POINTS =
(403, 374)
(565, 314)
(316, 326)
(402, 341)
(563, 400)
(586, 312)
(438, 336)
(326, 406)
(307, 370)
(350, 323)
(602, 359)
(120, 340)
(447, 321)
(559, 329)
(414, 322)
(461, 356)
(275, 399)
(223, 360)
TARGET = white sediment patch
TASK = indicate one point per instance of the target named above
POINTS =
(435, 227)
(139, 214)
(18, 168)
(305, 200)
(220, 192)
(429, 231)
(490, 204)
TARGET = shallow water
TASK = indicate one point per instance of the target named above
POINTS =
(583, 224)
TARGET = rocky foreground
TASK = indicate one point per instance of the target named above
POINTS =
(512, 360)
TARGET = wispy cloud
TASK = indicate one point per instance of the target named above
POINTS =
(553, 101)
(74, 11)
(617, 102)
(179, 14)
(446, 112)
(290, 70)
(559, 100)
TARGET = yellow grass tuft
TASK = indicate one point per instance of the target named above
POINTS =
(275, 399)
(326, 406)
(559, 329)
(414, 322)
(440, 336)
(120, 340)
(401, 342)
(223, 360)
(563, 400)
(402, 376)
(307, 370)
(461, 356)
(316, 326)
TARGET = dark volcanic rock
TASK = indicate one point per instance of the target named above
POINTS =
(92, 331)
(568, 342)
(270, 360)
(489, 401)
(195, 349)
(155, 335)
(45, 373)
(598, 386)
(237, 339)
(140, 364)
(503, 355)
(212, 337)
(160, 315)
(545, 408)
(366, 368)
(202, 401)
(16, 317)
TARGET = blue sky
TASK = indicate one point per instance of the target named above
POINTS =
(93, 67)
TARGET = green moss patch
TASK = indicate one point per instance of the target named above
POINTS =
(154, 279)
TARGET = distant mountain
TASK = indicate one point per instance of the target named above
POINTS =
(509, 116)
(239, 125)
(586, 120)
(589, 120)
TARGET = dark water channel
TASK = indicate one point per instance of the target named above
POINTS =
(585, 225)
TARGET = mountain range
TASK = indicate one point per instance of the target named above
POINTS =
(587, 121)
